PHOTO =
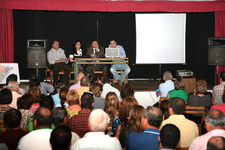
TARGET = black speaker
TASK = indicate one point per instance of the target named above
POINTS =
(36, 53)
(216, 51)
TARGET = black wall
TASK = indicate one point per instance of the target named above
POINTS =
(70, 26)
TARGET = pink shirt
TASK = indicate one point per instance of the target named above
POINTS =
(34, 107)
(75, 86)
(200, 143)
(220, 107)
(14, 100)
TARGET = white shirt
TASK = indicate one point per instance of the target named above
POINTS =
(36, 140)
(108, 88)
(166, 87)
(97, 140)
(79, 53)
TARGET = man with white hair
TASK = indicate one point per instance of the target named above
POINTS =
(96, 138)
(14, 87)
(168, 85)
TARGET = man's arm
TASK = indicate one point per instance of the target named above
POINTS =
(122, 51)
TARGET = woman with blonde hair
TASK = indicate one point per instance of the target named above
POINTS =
(133, 124)
(111, 108)
(74, 107)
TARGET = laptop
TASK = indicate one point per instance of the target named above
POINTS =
(112, 52)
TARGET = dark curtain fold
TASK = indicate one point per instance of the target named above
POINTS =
(6, 36)
(219, 32)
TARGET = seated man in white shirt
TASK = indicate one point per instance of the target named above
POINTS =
(167, 85)
(96, 138)
(57, 60)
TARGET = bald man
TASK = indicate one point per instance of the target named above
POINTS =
(77, 85)
(96, 138)
(38, 139)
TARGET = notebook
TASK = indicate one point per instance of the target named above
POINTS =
(112, 52)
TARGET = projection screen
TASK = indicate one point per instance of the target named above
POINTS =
(160, 38)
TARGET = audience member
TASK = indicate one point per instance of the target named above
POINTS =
(45, 88)
(13, 77)
(96, 138)
(24, 104)
(5, 100)
(168, 85)
(133, 124)
(58, 86)
(199, 98)
(188, 129)
(215, 122)
(47, 102)
(38, 139)
(218, 89)
(36, 94)
(165, 109)
(150, 121)
(13, 133)
(60, 138)
(112, 109)
(220, 107)
(72, 98)
(216, 143)
(57, 60)
(115, 67)
(169, 137)
(96, 89)
(127, 90)
(60, 117)
(178, 91)
(77, 85)
(85, 85)
(78, 123)
(95, 51)
(62, 95)
(14, 87)
(108, 88)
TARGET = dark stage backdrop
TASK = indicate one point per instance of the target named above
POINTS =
(85, 26)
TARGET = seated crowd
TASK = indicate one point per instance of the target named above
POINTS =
(100, 116)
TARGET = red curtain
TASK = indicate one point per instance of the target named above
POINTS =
(6, 36)
(219, 32)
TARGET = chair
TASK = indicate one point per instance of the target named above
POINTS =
(196, 111)
(109, 129)
(160, 100)
(182, 148)
(2, 126)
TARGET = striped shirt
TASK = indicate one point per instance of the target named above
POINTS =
(218, 90)
(54, 55)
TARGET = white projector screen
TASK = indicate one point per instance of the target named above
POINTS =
(160, 38)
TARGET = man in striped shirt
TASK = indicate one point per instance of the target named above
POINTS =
(58, 61)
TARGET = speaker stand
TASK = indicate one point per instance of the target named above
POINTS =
(217, 74)
(37, 72)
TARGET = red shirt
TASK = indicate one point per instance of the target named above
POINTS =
(79, 123)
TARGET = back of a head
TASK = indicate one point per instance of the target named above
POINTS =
(72, 97)
(47, 102)
(154, 116)
(85, 81)
(59, 84)
(179, 84)
(98, 120)
(58, 115)
(167, 75)
(127, 90)
(164, 106)
(216, 143)
(25, 102)
(178, 105)
(80, 75)
(105, 80)
(36, 94)
(43, 116)
(111, 98)
(96, 89)
(215, 118)
(60, 138)
(13, 85)
(87, 100)
(169, 136)
(12, 118)
(201, 86)
(5, 96)
(11, 77)
(62, 95)
(222, 75)
(34, 83)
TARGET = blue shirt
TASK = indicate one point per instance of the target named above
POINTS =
(147, 140)
(166, 87)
